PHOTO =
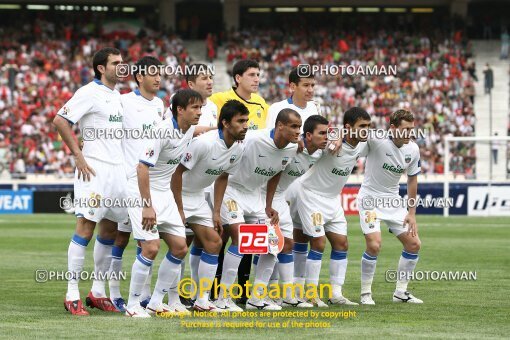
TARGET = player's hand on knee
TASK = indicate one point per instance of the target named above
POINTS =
(273, 215)
(410, 220)
(148, 218)
(84, 170)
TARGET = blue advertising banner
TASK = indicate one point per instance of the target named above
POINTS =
(16, 202)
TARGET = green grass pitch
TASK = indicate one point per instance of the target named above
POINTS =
(452, 309)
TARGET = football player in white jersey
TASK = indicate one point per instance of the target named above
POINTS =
(97, 108)
(266, 154)
(317, 210)
(301, 100)
(142, 110)
(206, 158)
(202, 81)
(387, 160)
(159, 216)
(315, 140)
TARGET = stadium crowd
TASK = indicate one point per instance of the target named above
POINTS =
(39, 74)
(434, 80)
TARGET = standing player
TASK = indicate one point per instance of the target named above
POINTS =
(159, 216)
(266, 154)
(301, 100)
(316, 206)
(95, 106)
(142, 110)
(315, 138)
(206, 158)
(387, 160)
(246, 74)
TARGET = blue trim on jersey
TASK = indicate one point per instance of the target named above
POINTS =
(409, 256)
(301, 248)
(314, 255)
(234, 250)
(138, 249)
(137, 92)
(98, 82)
(271, 134)
(209, 258)
(144, 260)
(79, 215)
(176, 126)
(68, 120)
(285, 258)
(147, 163)
(338, 255)
(256, 259)
(81, 241)
(196, 251)
(220, 134)
(368, 257)
(416, 174)
(290, 101)
(172, 258)
(117, 252)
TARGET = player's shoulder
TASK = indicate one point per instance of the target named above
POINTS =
(413, 146)
(257, 98)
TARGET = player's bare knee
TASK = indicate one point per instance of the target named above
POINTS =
(413, 246)
(288, 245)
(374, 247)
(318, 243)
(122, 239)
(150, 249)
(180, 251)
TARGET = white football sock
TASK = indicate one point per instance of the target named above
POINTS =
(146, 290)
(75, 260)
(406, 266)
(285, 267)
(265, 268)
(230, 267)
(337, 269)
(368, 264)
(194, 261)
(115, 270)
(102, 261)
(313, 267)
(206, 272)
(169, 270)
(139, 274)
(300, 252)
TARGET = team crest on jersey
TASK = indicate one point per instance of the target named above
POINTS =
(214, 114)
(408, 158)
(187, 158)
(94, 201)
(285, 160)
(233, 159)
(65, 111)
(150, 152)
(259, 113)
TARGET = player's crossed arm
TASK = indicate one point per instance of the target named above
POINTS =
(272, 184)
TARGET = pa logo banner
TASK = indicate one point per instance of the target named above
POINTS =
(260, 239)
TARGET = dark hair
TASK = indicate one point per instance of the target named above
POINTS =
(312, 122)
(183, 98)
(295, 78)
(398, 116)
(101, 58)
(230, 109)
(354, 114)
(284, 116)
(242, 66)
(143, 64)
(195, 70)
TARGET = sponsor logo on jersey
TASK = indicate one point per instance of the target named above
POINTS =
(146, 127)
(174, 161)
(214, 172)
(115, 118)
(270, 173)
(341, 172)
(253, 126)
(295, 173)
(392, 168)
(408, 158)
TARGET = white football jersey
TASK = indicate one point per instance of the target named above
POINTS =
(261, 160)
(96, 107)
(310, 110)
(329, 174)
(163, 155)
(140, 114)
(301, 163)
(206, 158)
(385, 165)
